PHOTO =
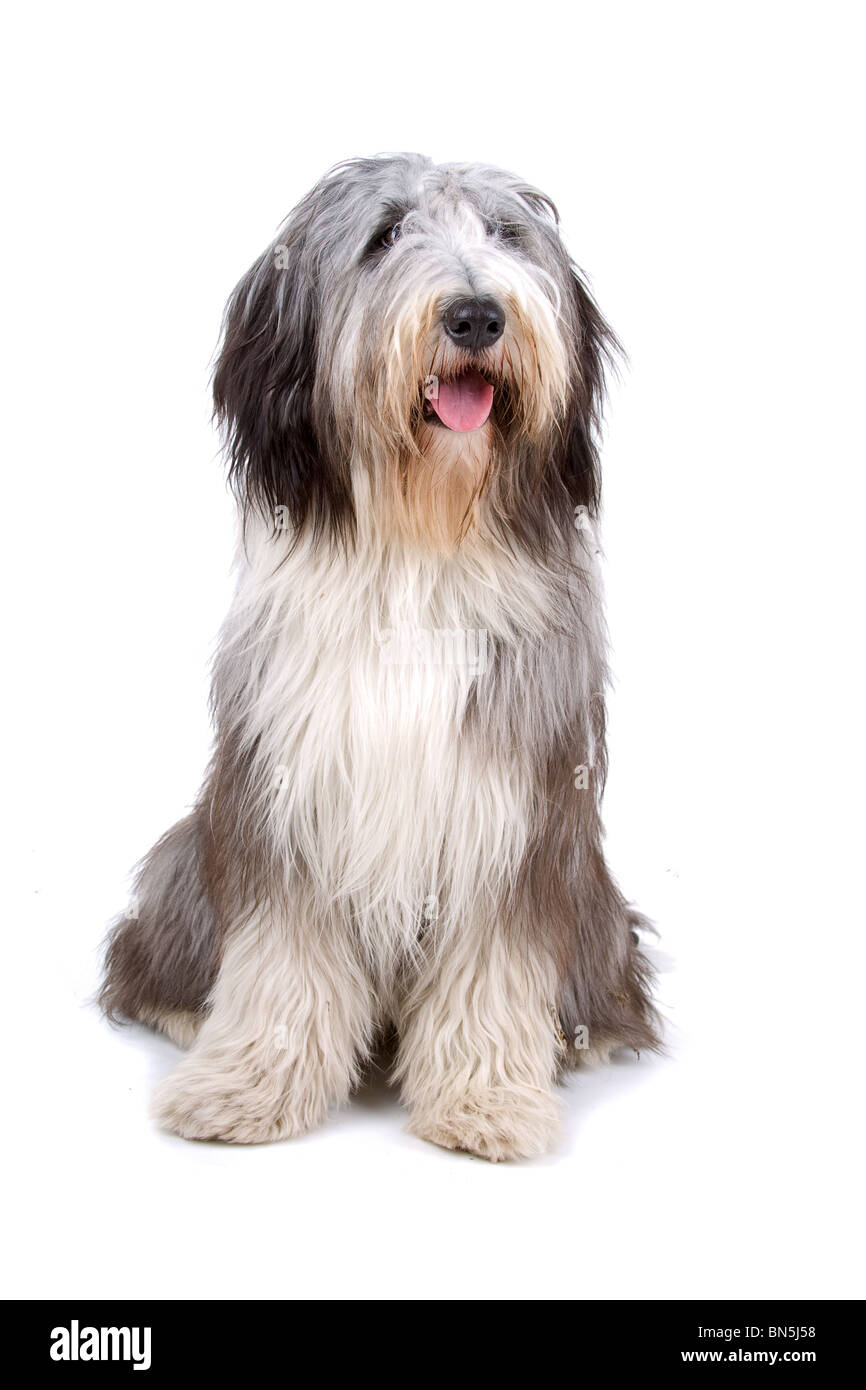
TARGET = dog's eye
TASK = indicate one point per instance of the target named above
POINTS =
(505, 231)
(383, 239)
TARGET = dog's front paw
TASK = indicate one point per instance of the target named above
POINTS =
(495, 1123)
(201, 1102)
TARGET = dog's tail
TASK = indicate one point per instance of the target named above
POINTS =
(161, 958)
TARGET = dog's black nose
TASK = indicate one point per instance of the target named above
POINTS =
(474, 323)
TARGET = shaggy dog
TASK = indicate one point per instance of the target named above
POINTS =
(399, 834)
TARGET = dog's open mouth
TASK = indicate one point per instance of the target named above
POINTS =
(461, 403)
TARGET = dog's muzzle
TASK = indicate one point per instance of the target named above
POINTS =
(462, 402)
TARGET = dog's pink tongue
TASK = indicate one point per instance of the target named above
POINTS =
(464, 403)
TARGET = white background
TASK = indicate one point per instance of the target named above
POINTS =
(707, 161)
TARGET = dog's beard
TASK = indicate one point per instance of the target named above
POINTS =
(440, 485)
(445, 478)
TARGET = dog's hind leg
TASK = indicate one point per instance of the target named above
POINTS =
(290, 1022)
(605, 997)
(162, 957)
(480, 1048)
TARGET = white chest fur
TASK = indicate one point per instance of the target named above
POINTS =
(352, 678)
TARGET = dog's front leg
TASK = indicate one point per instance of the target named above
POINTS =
(479, 1049)
(289, 1024)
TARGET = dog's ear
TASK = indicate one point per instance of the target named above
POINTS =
(595, 349)
(264, 396)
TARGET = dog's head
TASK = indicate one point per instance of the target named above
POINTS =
(416, 345)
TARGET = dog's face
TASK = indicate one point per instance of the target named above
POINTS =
(415, 345)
